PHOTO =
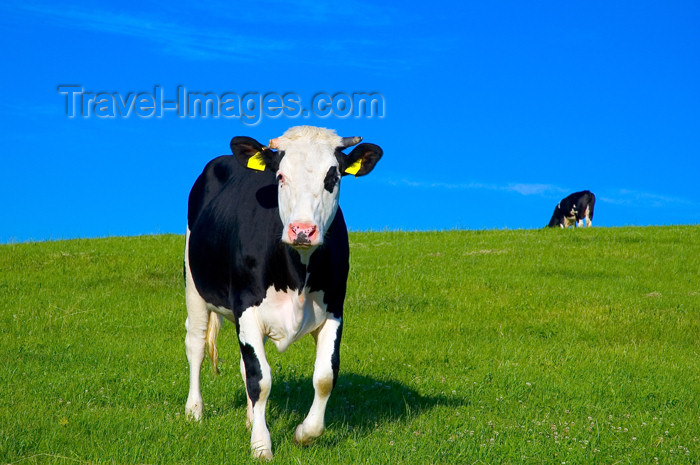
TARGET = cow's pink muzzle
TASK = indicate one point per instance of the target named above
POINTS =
(303, 234)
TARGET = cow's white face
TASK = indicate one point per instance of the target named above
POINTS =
(309, 164)
(308, 189)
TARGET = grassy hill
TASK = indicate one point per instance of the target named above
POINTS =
(534, 346)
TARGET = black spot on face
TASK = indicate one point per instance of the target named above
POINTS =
(332, 178)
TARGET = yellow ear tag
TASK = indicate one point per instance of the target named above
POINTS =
(355, 167)
(256, 162)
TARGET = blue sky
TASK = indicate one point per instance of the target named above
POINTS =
(493, 111)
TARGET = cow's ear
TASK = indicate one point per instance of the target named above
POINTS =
(361, 160)
(252, 154)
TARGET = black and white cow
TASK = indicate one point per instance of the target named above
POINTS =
(573, 209)
(267, 248)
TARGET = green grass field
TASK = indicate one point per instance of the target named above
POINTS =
(534, 346)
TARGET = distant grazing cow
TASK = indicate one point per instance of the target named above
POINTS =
(267, 248)
(573, 209)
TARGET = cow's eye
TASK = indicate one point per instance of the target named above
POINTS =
(280, 178)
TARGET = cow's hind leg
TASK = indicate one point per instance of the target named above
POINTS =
(258, 382)
(325, 375)
(195, 340)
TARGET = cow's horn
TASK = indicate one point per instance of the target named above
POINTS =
(273, 144)
(350, 141)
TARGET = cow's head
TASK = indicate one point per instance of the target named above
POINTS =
(308, 163)
(557, 219)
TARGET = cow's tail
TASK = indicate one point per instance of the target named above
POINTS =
(213, 328)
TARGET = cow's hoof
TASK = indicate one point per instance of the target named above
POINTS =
(193, 412)
(262, 453)
(303, 437)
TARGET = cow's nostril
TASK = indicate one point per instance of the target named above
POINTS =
(302, 231)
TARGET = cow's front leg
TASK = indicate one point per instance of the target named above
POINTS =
(249, 404)
(325, 375)
(258, 381)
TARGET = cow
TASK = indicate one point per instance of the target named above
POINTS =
(267, 248)
(573, 209)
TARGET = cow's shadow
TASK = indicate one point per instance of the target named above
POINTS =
(358, 405)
